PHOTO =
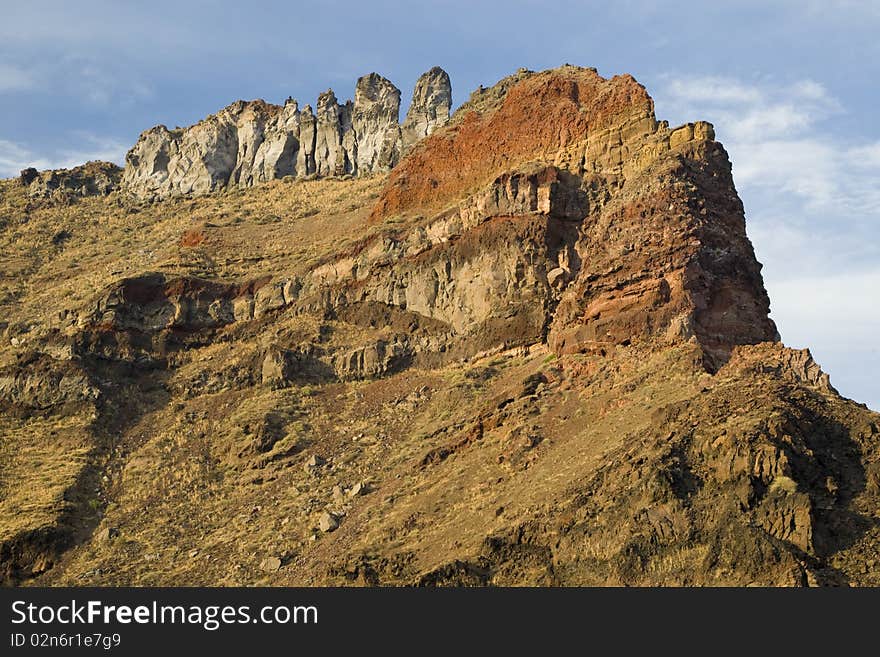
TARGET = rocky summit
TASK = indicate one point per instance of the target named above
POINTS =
(525, 344)
(254, 142)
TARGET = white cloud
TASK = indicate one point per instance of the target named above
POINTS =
(808, 168)
(781, 137)
(867, 156)
(812, 202)
(91, 81)
(99, 86)
(815, 307)
(719, 89)
(750, 112)
(13, 78)
(14, 156)
(835, 317)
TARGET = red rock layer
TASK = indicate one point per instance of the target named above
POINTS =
(538, 117)
(657, 244)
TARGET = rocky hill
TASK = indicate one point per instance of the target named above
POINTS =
(536, 351)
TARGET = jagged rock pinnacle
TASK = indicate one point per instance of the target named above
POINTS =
(252, 142)
(430, 107)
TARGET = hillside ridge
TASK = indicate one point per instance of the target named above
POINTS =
(531, 347)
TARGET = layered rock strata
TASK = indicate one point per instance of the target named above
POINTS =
(657, 240)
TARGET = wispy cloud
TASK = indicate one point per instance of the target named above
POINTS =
(15, 156)
(866, 156)
(14, 78)
(779, 140)
(99, 85)
(834, 317)
(88, 80)
(813, 207)
(754, 111)
(719, 89)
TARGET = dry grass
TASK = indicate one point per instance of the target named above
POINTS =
(40, 460)
(270, 229)
(209, 472)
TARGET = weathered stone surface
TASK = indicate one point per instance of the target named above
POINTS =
(795, 364)
(375, 124)
(91, 179)
(332, 121)
(154, 302)
(274, 370)
(248, 143)
(216, 152)
(430, 107)
(328, 522)
(305, 158)
(270, 564)
(278, 154)
(107, 534)
(664, 259)
(43, 383)
(372, 360)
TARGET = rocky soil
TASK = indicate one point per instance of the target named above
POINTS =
(527, 344)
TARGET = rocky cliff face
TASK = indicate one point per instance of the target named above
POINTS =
(656, 238)
(538, 351)
(430, 108)
(253, 142)
(91, 179)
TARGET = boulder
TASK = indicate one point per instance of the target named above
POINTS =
(328, 523)
(270, 564)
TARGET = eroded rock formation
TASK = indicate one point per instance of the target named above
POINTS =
(251, 142)
(430, 108)
(659, 244)
(90, 179)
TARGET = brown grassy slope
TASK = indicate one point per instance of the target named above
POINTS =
(600, 471)
(62, 255)
(473, 472)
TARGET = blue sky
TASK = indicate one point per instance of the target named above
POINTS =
(791, 87)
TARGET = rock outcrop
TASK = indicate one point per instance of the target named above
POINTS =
(597, 226)
(90, 179)
(227, 148)
(657, 241)
(248, 143)
(332, 125)
(39, 383)
(430, 107)
(376, 133)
